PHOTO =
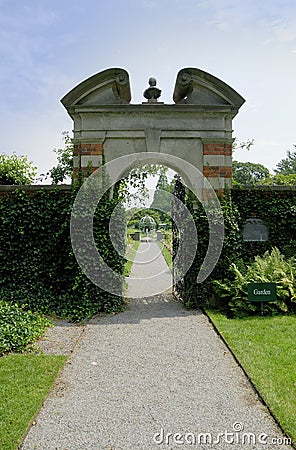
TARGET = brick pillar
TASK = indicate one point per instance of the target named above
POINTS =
(87, 157)
(217, 163)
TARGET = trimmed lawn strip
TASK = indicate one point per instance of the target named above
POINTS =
(25, 381)
(130, 256)
(166, 254)
(266, 349)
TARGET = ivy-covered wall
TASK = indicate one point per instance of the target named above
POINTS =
(275, 206)
(37, 265)
(38, 268)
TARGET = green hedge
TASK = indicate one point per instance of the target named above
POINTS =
(37, 265)
(277, 209)
(197, 294)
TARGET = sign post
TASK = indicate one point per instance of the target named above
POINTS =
(261, 292)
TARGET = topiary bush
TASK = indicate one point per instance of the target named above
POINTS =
(271, 267)
(19, 328)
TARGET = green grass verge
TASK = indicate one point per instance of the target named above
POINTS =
(265, 347)
(166, 254)
(25, 380)
(130, 256)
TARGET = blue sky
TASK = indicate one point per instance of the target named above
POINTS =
(49, 46)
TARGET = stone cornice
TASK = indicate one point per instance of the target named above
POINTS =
(155, 108)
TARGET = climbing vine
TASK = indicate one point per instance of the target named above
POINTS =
(276, 208)
(38, 267)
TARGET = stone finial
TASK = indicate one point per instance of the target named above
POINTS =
(152, 93)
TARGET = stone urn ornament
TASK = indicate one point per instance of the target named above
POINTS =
(152, 93)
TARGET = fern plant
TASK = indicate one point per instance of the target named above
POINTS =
(272, 267)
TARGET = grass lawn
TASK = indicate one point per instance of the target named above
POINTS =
(266, 348)
(130, 256)
(166, 254)
(25, 380)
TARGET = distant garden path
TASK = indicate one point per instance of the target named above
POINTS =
(150, 274)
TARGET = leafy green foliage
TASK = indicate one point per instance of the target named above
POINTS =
(287, 166)
(38, 267)
(271, 267)
(199, 294)
(280, 180)
(19, 328)
(16, 169)
(248, 173)
(162, 201)
(276, 208)
(64, 168)
(132, 188)
(244, 145)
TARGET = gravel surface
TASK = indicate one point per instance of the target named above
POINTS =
(150, 274)
(136, 379)
(60, 339)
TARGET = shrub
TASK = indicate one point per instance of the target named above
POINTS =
(16, 169)
(271, 267)
(19, 328)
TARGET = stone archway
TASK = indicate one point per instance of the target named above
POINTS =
(197, 127)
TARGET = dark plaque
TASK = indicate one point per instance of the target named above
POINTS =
(255, 230)
(261, 292)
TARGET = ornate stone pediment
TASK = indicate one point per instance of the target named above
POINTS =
(198, 129)
(196, 87)
(109, 87)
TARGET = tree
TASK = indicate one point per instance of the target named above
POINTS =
(287, 166)
(15, 169)
(242, 145)
(161, 200)
(281, 180)
(133, 188)
(64, 168)
(248, 173)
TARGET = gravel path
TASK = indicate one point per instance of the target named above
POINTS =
(60, 339)
(149, 271)
(138, 378)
